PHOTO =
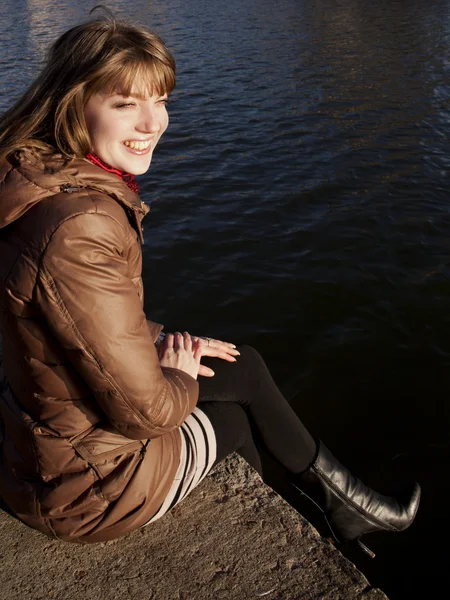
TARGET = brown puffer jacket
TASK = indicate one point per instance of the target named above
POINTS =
(90, 444)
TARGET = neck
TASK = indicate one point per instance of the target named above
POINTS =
(127, 178)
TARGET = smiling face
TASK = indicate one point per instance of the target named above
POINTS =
(124, 130)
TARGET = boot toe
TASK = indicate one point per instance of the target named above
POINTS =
(413, 504)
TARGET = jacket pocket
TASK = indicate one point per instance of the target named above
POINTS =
(104, 444)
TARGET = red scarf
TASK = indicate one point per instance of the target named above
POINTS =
(127, 178)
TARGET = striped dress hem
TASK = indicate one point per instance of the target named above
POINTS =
(197, 457)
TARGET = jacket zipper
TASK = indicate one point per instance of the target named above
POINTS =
(66, 187)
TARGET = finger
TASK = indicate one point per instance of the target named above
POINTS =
(165, 348)
(217, 353)
(179, 341)
(213, 342)
(187, 341)
(225, 349)
(205, 371)
(225, 346)
(197, 350)
(197, 355)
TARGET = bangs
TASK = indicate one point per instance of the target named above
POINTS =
(144, 76)
(100, 56)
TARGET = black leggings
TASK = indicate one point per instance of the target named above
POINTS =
(244, 405)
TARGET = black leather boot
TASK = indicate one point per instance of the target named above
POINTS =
(350, 508)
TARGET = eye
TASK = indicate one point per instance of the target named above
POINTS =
(163, 101)
(124, 105)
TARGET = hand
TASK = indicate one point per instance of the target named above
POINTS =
(215, 349)
(180, 352)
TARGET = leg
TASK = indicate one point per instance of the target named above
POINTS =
(232, 431)
(351, 509)
(249, 383)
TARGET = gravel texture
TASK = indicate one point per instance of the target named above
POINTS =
(233, 538)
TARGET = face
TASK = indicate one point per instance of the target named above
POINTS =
(125, 130)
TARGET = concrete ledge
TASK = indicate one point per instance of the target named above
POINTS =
(233, 538)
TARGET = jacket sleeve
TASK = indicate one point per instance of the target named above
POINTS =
(154, 329)
(94, 311)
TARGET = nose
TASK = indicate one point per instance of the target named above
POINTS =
(149, 121)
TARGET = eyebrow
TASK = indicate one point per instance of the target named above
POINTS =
(135, 95)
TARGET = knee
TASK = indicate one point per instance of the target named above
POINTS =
(250, 355)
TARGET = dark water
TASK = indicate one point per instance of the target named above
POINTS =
(300, 203)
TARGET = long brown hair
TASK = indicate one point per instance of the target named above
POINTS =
(100, 55)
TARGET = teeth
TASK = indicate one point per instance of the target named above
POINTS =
(137, 145)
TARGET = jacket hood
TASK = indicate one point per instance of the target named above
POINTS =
(25, 180)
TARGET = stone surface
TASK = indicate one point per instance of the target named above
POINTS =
(233, 538)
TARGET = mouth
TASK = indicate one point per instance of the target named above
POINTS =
(138, 147)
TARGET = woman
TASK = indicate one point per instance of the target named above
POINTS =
(105, 427)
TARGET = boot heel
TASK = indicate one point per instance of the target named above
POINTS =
(365, 549)
(336, 542)
(352, 509)
(332, 537)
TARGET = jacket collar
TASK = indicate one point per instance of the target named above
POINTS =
(25, 180)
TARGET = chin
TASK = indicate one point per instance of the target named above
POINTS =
(138, 169)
